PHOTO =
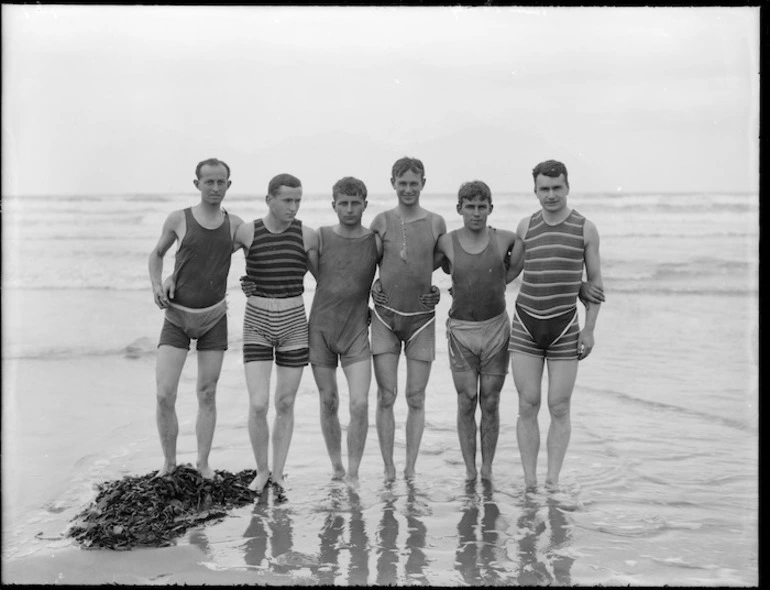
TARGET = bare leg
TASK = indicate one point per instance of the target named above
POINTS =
(287, 382)
(168, 369)
(326, 381)
(417, 374)
(359, 377)
(386, 375)
(489, 400)
(527, 376)
(466, 383)
(561, 382)
(209, 369)
(258, 384)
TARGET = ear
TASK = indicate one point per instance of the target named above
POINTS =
(423, 182)
(365, 204)
(229, 182)
(459, 208)
(334, 204)
(491, 207)
(196, 182)
(392, 182)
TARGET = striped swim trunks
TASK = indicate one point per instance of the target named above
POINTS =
(275, 324)
(553, 338)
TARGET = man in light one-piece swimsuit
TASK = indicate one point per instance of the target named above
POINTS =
(558, 243)
(193, 298)
(404, 314)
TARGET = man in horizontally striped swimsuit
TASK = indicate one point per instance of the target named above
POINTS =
(558, 242)
(279, 251)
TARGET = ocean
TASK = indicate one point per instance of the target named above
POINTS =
(659, 485)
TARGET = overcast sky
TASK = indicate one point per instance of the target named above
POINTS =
(127, 99)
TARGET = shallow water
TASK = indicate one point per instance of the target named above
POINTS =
(659, 485)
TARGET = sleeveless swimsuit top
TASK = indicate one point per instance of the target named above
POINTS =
(407, 261)
(202, 263)
(346, 268)
(277, 263)
(553, 266)
(478, 281)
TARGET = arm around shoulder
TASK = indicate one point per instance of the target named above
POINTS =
(310, 239)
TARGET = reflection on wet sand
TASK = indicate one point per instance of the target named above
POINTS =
(332, 540)
(387, 561)
(477, 564)
(268, 524)
(551, 566)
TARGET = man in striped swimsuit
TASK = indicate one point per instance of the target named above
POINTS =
(279, 251)
(558, 243)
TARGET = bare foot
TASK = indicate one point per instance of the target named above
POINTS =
(409, 474)
(339, 473)
(167, 469)
(390, 473)
(259, 482)
(486, 474)
(206, 472)
(352, 480)
(470, 475)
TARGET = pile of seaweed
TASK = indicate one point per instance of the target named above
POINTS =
(149, 511)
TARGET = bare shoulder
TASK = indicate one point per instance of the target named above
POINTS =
(235, 220)
(590, 232)
(437, 223)
(310, 237)
(379, 224)
(521, 229)
(444, 243)
(506, 235)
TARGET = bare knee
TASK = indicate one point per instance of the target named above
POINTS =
(490, 404)
(560, 409)
(284, 404)
(207, 395)
(386, 397)
(359, 407)
(466, 402)
(258, 409)
(166, 398)
(528, 406)
(415, 400)
(330, 402)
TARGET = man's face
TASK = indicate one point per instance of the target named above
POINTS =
(285, 204)
(551, 192)
(213, 183)
(408, 186)
(475, 212)
(349, 209)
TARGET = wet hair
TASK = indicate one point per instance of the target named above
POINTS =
(349, 186)
(280, 180)
(471, 190)
(407, 164)
(552, 168)
(210, 162)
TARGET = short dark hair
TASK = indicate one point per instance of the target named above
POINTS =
(350, 186)
(407, 164)
(210, 162)
(471, 190)
(280, 180)
(552, 168)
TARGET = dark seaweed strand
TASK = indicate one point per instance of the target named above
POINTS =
(144, 511)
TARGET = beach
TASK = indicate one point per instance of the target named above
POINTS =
(659, 485)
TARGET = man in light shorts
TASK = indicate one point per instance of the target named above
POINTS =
(404, 310)
(195, 307)
(478, 325)
(279, 251)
